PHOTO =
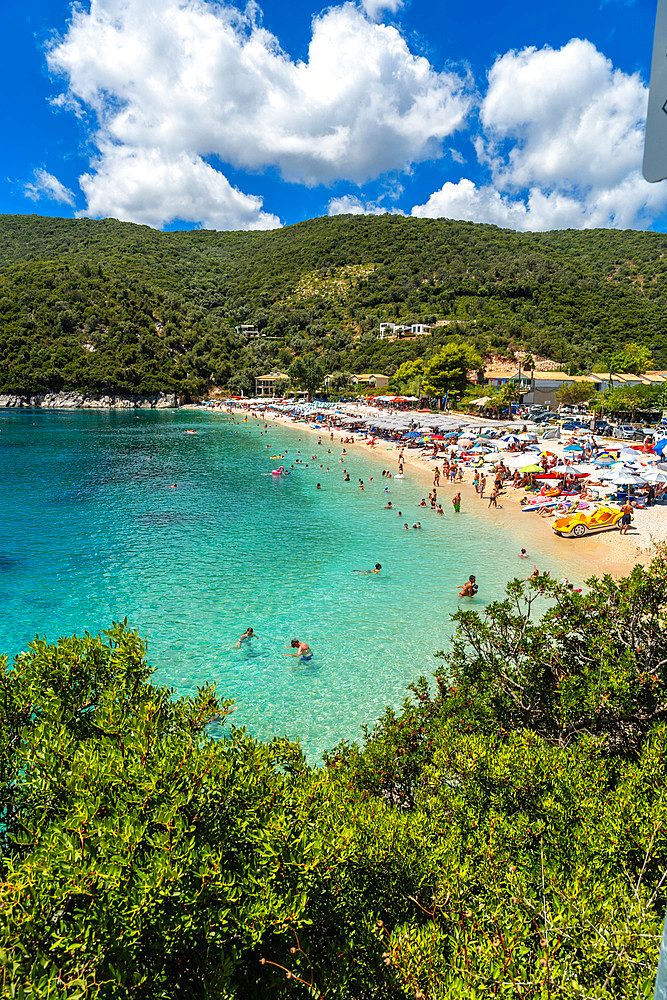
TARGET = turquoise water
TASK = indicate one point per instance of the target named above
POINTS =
(94, 531)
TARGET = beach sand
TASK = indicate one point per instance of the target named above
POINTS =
(595, 555)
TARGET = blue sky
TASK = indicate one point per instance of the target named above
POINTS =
(181, 113)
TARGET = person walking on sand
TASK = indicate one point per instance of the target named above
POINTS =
(482, 486)
(456, 503)
(493, 499)
(626, 511)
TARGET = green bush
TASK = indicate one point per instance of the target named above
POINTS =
(503, 834)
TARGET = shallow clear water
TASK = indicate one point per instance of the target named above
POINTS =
(94, 531)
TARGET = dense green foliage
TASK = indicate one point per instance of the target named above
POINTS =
(504, 835)
(159, 310)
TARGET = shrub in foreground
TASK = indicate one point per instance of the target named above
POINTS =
(502, 835)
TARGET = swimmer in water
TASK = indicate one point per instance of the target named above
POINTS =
(246, 637)
(365, 572)
(303, 650)
(523, 554)
(469, 588)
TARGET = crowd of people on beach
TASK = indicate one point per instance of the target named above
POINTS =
(450, 473)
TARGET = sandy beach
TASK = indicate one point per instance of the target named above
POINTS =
(594, 555)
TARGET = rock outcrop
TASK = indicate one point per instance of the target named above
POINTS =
(83, 401)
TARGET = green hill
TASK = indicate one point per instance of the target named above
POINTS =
(107, 305)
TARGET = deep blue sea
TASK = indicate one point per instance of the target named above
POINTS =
(95, 531)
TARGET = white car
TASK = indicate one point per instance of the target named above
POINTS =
(626, 432)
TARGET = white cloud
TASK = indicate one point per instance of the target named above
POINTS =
(375, 7)
(197, 78)
(45, 185)
(562, 137)
(349, 204)
(149, 187)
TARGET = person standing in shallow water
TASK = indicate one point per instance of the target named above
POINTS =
(303, 650)
(456, 503)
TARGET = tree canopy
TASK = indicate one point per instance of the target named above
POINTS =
(447, 371)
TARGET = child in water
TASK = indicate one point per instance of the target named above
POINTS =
(246, 637)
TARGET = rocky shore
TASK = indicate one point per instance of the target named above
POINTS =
(84, 401)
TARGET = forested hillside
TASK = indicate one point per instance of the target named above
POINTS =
(109, 305)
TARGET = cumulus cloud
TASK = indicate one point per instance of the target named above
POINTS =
(45, 185)
(150, 187)
(197, 78)
(375, 7)
(562, 137)
(350, 204)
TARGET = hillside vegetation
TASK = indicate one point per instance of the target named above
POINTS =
(103, 305)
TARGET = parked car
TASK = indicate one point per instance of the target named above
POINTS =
(582, 523)
(603, 427)
(545, 417)
(626, 432)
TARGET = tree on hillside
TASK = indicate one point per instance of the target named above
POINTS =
(339, 381)
(240, 384)
(306, 372)
(447, 371)
(573, 393)
(628, 399)
(407, 378)
(632, 358)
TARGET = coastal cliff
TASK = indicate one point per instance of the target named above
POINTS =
(85, 401)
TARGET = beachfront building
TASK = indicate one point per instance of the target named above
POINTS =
(372, 381)
(265, 385)
(499, 375)
(545, 385)
(615, 380)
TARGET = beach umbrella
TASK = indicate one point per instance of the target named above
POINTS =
(572, 470)
(531, 468)
(574, 447)
(626, 479)
(655, 476)
(511, 439)
(516, 461)
(660, 446)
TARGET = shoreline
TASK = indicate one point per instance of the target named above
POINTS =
(595, 555)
